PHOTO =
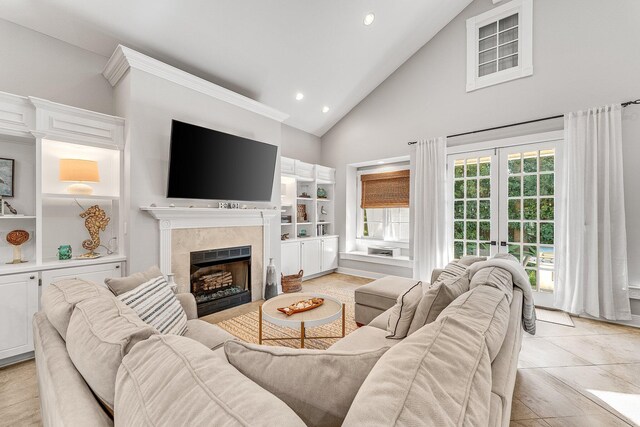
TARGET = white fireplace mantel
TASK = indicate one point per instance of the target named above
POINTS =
(170, 218)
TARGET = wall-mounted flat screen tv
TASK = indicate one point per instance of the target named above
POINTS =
(208, 164)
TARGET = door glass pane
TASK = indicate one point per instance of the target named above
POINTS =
(485, 209)
(530, 214)
(472, 191)
(458, 210)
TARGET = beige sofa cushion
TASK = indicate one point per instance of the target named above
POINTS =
(101, 332)
(120, 285)
(196, 388)
(436, 299)
(365, 338)
(452, 270)
(486, 309)
(319, 385)
(60, 298)
(205, 333)
(402, 312)
(439, 376)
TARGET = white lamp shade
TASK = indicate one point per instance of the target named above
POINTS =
(79, 170)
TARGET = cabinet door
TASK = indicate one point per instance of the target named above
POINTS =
(311, 257)
(18, 304)
(329, 254)
(290, 255)
(90, 273)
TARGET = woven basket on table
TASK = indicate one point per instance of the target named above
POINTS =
(292, 283)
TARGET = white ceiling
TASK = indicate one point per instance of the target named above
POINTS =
(267, 50)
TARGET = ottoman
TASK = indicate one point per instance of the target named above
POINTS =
(378, 296)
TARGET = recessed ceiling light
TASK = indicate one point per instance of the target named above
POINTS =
(325, 109)
(299, 96)
(381, 162)
(369, 18)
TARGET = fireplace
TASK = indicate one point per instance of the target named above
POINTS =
(220, 278)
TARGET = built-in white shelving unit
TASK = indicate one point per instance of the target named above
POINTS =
(312, 244)
(36, 134)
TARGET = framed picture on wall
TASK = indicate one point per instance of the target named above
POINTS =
(7, 169)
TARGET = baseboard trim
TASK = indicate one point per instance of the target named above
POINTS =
(360, 273)
(16, 359)
(634, 322)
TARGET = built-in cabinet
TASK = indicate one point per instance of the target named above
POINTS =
(19, 302)
(313, 255)
(37, 134)
(307, 199)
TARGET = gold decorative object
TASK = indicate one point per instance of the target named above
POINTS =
(17, 238)
(96, 220)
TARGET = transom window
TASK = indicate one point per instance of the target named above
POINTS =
(499, 45)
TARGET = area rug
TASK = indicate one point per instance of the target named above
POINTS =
(554, 316)
(245, 327)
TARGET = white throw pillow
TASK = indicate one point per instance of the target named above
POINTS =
(156, 304)
(402, 313)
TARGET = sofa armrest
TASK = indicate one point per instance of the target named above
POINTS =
(435, 274)
(188, 302)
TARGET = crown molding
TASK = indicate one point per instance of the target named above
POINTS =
(124, 58)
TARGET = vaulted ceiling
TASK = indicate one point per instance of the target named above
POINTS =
(268, 50)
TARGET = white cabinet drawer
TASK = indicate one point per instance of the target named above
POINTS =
(90, 273)
(304, 170)
(77, 125)
(287, 165)
(325, 173)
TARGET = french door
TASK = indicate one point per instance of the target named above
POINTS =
(503, 201)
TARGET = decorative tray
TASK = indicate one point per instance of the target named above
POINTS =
(300, 306)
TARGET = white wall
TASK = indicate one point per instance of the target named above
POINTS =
(585, 54)
(149, 104)
(34, 64)
(298, 144)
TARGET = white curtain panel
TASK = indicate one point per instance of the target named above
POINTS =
(591, 239)
(430, 245)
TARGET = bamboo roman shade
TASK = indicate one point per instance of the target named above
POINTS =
(385, 190)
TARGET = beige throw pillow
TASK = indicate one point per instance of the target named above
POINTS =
(101, 332)
(452, 270)
(401, 314)
(319, 385)
(169, 380)
(120, 285)
(439, 376)
(60, 298)
(436, 299)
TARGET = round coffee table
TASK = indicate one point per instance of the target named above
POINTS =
(331, 310)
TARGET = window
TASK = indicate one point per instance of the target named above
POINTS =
(499, 45)
(383, 204)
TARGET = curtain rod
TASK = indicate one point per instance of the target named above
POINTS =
(624, 104)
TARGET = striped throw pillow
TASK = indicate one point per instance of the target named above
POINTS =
(156, 304)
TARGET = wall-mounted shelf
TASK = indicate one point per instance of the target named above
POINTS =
(16, 217)
(78, 196)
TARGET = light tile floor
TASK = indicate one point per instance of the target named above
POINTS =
(584, 376)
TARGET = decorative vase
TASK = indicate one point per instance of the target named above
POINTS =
(322, 193)
(64, 252)
(271, 289)
(17, 238)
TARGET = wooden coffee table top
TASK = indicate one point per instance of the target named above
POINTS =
(326, 313)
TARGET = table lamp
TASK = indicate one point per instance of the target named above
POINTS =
(79, 172)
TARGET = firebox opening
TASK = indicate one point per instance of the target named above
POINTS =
(221, 278)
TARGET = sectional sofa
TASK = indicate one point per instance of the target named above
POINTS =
(98, 364)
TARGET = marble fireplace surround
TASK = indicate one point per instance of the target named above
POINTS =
(185, 230)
